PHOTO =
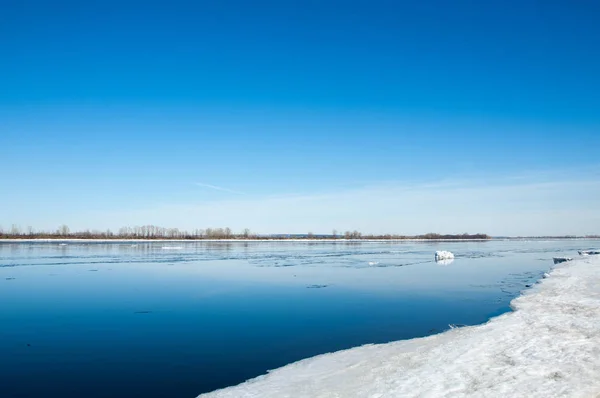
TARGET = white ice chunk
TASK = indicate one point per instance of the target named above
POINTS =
(548, 347)
(558, 260)
(373, 262)
(589, 252)
(446, 261)
(443, 255)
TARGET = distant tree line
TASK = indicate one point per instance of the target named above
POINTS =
(156, 232)
(137, 232)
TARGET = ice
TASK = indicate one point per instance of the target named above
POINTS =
(443, 255)
(558, 260)
(548, 347)
(589, 252)
(171, 247)
(447, 261)
(373, 262)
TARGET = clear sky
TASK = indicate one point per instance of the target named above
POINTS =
(296, 116)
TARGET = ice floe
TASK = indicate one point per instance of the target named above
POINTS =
(558, 260)
(588, 252)
(443, 255)
(548, 347)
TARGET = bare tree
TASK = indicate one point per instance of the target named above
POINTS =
(334, 233)
(63, 230)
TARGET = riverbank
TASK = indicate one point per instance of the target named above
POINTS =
(548, 347)
(295, 240)
(341, 240)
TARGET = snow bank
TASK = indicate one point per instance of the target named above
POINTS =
(548, 347)
(443, 255)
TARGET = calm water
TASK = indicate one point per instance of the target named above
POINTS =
(177, 319)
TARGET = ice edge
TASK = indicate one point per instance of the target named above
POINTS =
(549, 346)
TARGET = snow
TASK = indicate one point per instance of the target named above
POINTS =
(548, 347)
(443, 255)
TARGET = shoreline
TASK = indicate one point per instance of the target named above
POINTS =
(118, 240)
(234, 240)
(548, 346)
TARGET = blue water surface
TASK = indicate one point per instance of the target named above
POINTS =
(175, 319)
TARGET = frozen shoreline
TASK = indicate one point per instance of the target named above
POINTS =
(75, 240)
(548, 347)
(57, 240)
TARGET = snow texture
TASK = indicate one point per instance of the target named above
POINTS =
(548, 347)
(443, 255)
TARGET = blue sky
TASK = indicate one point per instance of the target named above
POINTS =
(290, 116)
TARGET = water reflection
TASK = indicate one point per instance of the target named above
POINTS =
(447, 261)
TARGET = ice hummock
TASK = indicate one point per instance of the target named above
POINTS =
(443, 255)
(548, 347)
(589, 252)
(558, 260)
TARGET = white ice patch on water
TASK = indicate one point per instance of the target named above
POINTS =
(171, 247)
(548, 347)
(373, 262)
(443, 255)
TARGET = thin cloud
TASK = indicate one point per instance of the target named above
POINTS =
(218, 188)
